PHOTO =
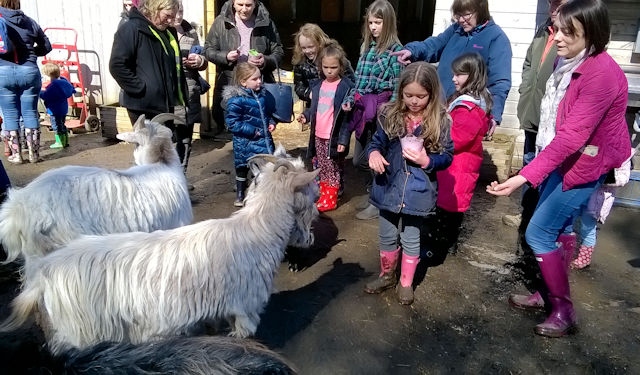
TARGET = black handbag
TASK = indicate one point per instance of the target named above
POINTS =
(283, 97)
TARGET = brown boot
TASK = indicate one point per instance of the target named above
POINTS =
(387, 278)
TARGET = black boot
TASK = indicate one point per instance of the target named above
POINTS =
(184, 151)
(240, 186)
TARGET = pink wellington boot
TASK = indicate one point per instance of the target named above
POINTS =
(387, 278)
(583, 259)
(407, 271)
(562, 319)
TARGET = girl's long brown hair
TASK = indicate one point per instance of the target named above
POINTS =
(473, 64)
(389, 36)
(435, 120)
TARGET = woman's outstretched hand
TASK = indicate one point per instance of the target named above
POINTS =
(507, 187)
(403, 56)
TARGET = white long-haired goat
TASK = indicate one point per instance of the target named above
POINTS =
(135, 287)
(64, 203)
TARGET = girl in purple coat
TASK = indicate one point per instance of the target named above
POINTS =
(582, 136)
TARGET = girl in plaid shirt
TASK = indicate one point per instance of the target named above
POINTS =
(377, 74)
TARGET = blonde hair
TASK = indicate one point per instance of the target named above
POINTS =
(333, 49)
(389, 35)
(309, 31)
(150, 8)
(51, 70)
(242, 72)
(435, 120)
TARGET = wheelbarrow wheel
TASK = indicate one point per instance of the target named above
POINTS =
(92, 123)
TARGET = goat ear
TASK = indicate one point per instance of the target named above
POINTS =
(129, 137)
(139, 123)
(303, 179)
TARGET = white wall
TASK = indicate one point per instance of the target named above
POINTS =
(518, 19)
(95, 22)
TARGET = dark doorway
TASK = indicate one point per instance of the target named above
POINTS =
(343, 19)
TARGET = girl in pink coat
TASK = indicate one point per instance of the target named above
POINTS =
(470, 110)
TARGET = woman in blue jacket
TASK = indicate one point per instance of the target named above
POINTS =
(473, 30)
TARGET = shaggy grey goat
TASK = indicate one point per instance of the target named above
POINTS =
(64, 203)
(204, 355)
(136, 287)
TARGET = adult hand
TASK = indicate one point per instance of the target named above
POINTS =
(233, 55)
(271, 128)
(403, 56)
(418, 157)
(346, 107)
(257, 61)
(302, 119)
(507, 187)
(492, 129)
(377, 162)
(341, 148)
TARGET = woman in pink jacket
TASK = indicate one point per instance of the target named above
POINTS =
(582, 136)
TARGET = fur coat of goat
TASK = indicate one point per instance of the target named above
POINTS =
(64, 203)
(136, 287)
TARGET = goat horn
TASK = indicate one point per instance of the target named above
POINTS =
(164, 117)
(265, 157)
(283, 163)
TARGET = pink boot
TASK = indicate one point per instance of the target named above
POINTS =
(569, 243)
(407, 271)
(583, 259)
(562, 319)
(527, 302)
(387, 278)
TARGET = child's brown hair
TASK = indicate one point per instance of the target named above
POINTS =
(51, 70)
(242, 72)
(389, 35)
(333, 49)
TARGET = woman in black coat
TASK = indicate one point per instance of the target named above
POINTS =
(145, 63)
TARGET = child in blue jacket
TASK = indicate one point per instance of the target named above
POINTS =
(55, 97)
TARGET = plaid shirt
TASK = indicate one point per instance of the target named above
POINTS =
(376, 72)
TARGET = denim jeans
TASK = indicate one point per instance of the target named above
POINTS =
(57, 124)
(556, 210)
(19, 93)
(409, 229)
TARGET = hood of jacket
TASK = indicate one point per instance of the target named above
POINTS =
(233, 90)
(262, 14)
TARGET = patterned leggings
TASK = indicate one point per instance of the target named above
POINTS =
(330, 169)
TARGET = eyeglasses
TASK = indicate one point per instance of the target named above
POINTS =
(463, 17)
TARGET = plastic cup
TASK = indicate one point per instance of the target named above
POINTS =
(411, 142)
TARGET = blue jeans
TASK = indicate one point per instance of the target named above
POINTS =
(57, 124)
(409, 232)
(556, 210)
(587, 228)
(19, 92)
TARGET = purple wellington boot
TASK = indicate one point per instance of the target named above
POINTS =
(562, 319)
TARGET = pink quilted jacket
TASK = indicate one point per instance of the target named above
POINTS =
(592, 136)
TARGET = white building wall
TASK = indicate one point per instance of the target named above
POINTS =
(95, 22)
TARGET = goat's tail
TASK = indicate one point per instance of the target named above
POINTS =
(22, 307)
(10, 231)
